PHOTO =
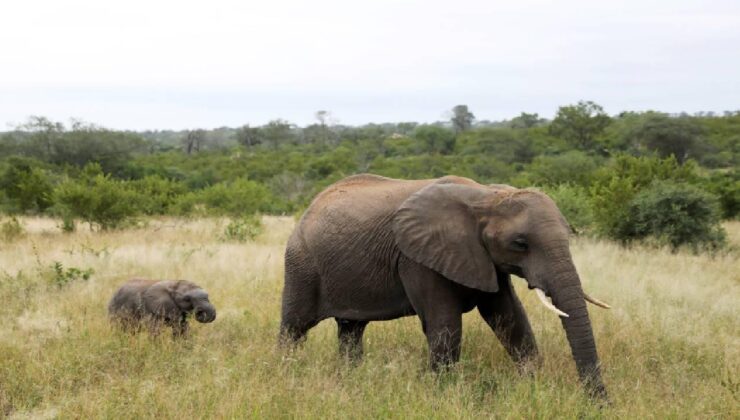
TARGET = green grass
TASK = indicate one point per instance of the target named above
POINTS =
(669, 348)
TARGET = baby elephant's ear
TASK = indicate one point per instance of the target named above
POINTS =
(158, 300)
(437, 227)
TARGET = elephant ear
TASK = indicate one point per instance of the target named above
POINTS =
(436, 227)
(159, 300)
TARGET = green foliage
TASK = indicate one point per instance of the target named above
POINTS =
(68, 224)
(507, 145)
(462, 119)
(617, 185)
(677, 137)
(77, 145)
(243, 229)
(720, 144)
(157, 195)
(525, 120)
(27, 187)
(151, 174)
(434, 139)
(726, 186)
(97, 199)
(485, 169)
(574, 202)
(571, 167)
(11, 229)
(236, 199)
(61, 276)
(580, 124)
(675, 215)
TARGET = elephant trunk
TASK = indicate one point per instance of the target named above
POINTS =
(205, 312)
(568, 296)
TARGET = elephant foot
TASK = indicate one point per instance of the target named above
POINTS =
(350, 333)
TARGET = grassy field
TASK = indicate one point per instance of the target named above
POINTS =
(670, 347)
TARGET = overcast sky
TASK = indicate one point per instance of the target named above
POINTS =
(146, 64)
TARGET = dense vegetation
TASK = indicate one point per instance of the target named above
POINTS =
(609, 174)
(668, 347)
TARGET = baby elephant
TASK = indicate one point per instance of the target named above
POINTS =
(155, 303)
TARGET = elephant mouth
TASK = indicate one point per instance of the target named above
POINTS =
(513, 269)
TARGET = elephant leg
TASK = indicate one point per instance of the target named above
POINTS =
(504, 313)
(444, 335)
(300, 298)
(350, 338)
(437, 301)
(180, 328)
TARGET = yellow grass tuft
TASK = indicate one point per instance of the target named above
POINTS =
(669, 347)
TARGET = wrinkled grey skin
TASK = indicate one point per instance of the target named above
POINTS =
(153, 304)
(371, 248)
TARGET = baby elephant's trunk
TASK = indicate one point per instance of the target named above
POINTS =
(205, 313)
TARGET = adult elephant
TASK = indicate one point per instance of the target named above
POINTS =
(372, 248)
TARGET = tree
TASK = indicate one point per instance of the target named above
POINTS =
(580, 124)
(194, 140)
(26, 185)
(434, 139)
(525, 120)
(277, 132)
(248, 136)
(44, 134)
(668, 136)
(462, 119)
(321, 133)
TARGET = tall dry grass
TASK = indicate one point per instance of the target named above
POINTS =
(669, 347)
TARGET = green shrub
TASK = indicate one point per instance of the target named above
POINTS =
(617, 185)
(27, 187)
(574, 202)
(675, 215)
(68, 223)
(97, 199)
(726, 186)
(243, 229)
(573, 167)
(60, 276)
(434, 139)
(11, 229)
(236, 199)
(157, 194)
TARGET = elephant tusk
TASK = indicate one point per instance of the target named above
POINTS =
(596, 301)
(548, 305)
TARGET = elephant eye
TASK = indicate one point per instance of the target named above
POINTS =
(520, 244)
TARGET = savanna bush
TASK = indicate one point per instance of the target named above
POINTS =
(237, 198)
(726, 186)
(675, 215)
(243, 229)
(11, 229)
(157, 195)
(26, 187)
(616, 185)
(574, 202)
(97, 199)
(574, 167)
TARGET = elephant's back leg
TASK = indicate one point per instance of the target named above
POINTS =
(301, 294)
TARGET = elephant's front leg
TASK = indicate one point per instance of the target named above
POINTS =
(350, 338)
(180, 326)
(505, 315)
(437, 301)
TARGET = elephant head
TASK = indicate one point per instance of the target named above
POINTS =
(176, 299)
(468, 232)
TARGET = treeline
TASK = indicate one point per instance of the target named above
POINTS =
(670, 178)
